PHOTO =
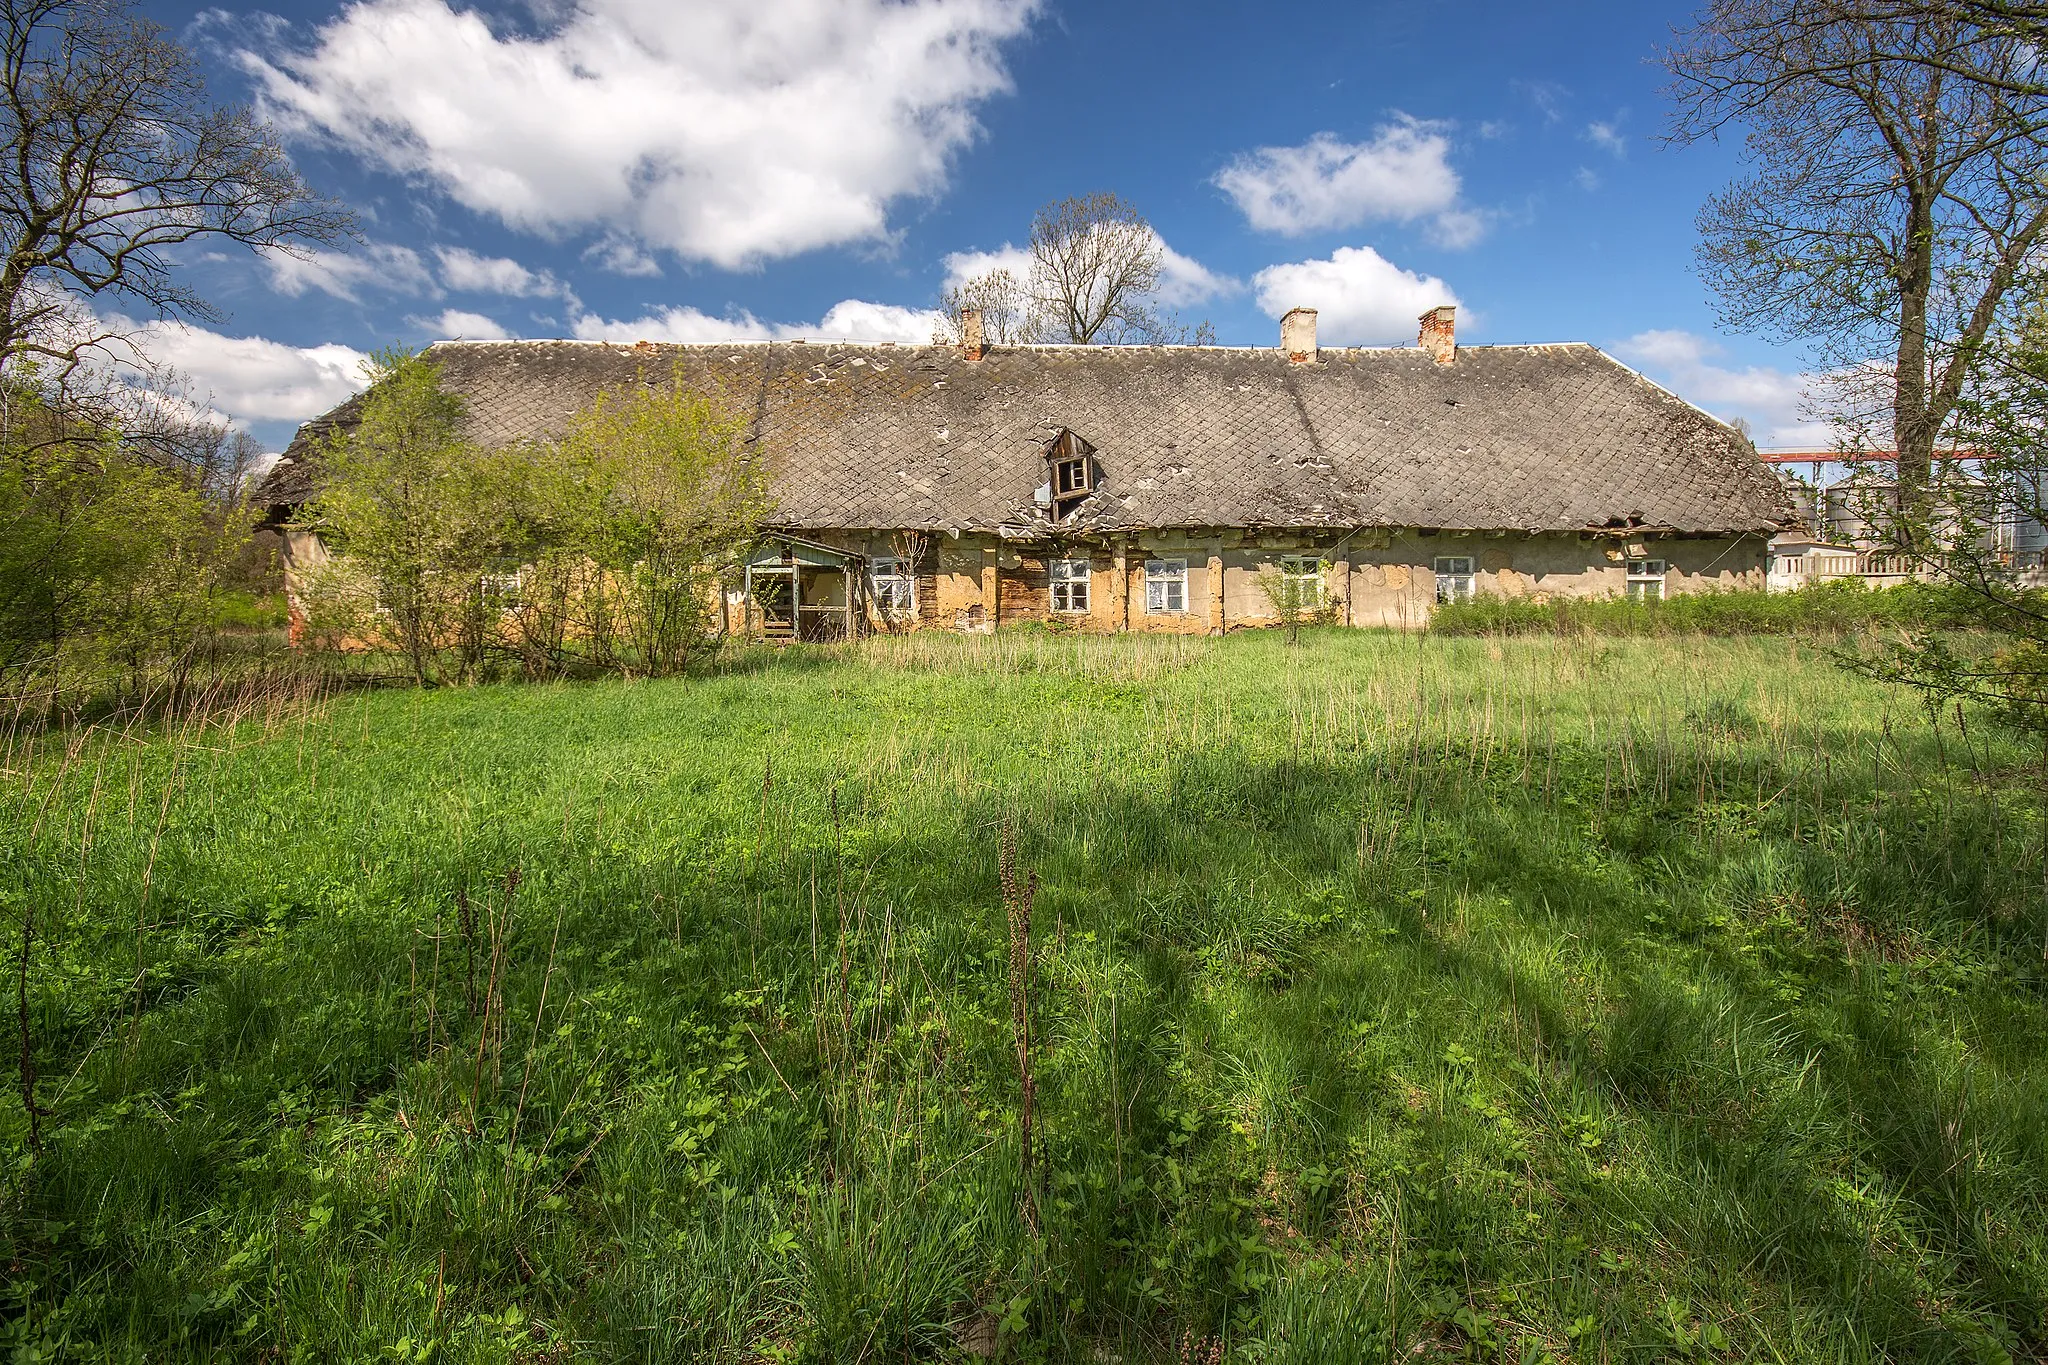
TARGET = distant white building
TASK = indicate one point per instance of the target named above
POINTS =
(1843, 521)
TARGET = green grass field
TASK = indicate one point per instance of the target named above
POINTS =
(1524, 999)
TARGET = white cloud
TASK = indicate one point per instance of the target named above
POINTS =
(252, 379)
(855, 320)
(690, 326)
(1361, 298)
(1547, 96)
(622, 257)
(465, 271)
(1772, 401)
(729, 131)
(1587, 179)
(454, 322)
(1607, 137)
(1457, 228)
(962, 266)
(1403, 174)
(1184, 281)
(847, 320)
(382, 266)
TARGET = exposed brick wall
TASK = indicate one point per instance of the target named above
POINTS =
(1025, 586)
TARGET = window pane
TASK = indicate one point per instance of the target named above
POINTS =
(1069, 579)
(894, 587)
(1165, 585)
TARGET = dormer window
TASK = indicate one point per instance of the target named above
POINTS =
(1071, 478)
(1072, 467)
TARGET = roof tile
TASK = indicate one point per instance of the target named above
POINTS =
(1555, 437)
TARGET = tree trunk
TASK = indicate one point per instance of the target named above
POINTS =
(1913, 425)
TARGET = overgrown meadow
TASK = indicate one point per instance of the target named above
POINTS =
(1503, 999)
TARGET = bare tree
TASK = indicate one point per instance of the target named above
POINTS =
(1095, 263)
(1095, 272)
(1981, 21)
(1008, 317)
(115, 159)
(215, 460)
(1894, 201)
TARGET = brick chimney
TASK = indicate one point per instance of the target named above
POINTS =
(971, 344)
(1440, 334)
(1298, 336)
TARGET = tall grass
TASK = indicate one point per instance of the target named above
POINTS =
(1571, 998)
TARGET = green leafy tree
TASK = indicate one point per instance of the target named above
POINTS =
(640, 511)
(1988, 642)
(602, 550)
(1296, 597)
(420, 518)
(1891, 204)
(117, 509)
(108, 563)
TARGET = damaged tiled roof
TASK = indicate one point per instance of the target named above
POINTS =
(920, 437)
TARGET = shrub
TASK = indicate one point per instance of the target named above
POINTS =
(600, 551)
(639, 510)
(421, 518)
(107, 569)
(1842, 607)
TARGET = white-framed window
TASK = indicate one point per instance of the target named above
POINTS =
(1304, 579)
(1646, 579)
(894, 586)
(501, 590)
(1455, 579)
(1070, 585)
(1166, 586)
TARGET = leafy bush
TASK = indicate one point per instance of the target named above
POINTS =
(1845, 606)
(108, 565)
(600, 551)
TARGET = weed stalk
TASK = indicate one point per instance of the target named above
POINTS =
(1018, 894)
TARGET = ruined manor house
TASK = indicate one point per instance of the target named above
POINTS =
(1165, 488)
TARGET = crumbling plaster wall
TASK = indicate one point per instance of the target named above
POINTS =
(977, 581)
(1393, 576)
(305, 554)
(1373, 577)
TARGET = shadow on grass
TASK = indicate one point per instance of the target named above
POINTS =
(1336, 1056)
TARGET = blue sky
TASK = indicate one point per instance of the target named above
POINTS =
(723, 168)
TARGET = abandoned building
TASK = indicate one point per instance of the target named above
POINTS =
(1167, 488)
